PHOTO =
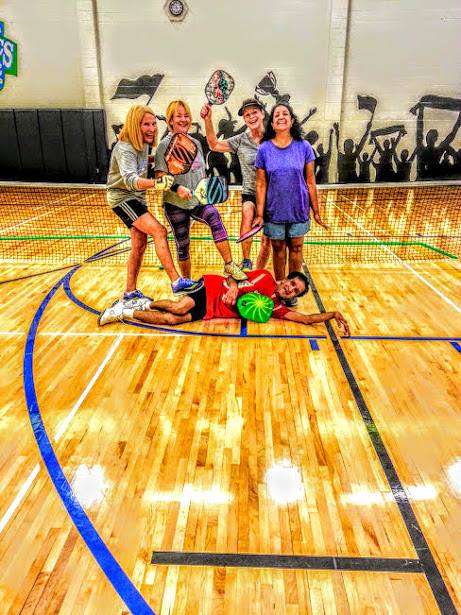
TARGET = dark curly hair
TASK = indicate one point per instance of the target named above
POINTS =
(295, 129)
(303, 278)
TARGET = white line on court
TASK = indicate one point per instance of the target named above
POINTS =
(404, 263)
(88, 388)
(32, 476)
(25, 221)
(94, 334)
(48, 213)
(19, 497)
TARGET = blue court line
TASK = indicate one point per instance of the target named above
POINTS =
(314, 345)
(244, 327)
(456, 346)
(98, 256)
(104, 251)
(143, 325)
(111, 568)
(400, 338)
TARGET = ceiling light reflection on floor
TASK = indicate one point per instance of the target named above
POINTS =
(284, 483)
(367, 497)
(192, 495)
(454, 476)
(89, 485)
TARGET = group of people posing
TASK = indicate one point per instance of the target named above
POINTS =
(278, 191)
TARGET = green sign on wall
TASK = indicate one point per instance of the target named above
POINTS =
(8, 57)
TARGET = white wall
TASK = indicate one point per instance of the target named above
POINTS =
(72, 53)
(246, 39)
(47, 35)
(399, 51)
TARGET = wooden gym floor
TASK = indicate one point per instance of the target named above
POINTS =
(188, 452)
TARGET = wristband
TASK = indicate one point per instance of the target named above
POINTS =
(174, 187)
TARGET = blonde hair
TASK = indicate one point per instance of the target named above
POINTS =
(131, 130)
(173, 107)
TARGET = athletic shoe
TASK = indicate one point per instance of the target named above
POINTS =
(139, 303)
(112, 314)
(246, 265)
(234, 271)
(135, 294)
(290, 302)
(186, 286)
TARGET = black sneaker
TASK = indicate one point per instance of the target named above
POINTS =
(246, 265)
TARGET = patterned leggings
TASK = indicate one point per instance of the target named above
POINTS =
(179, 220)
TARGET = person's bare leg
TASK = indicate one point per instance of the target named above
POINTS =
(248, 214)
(154, 317)
(185, 267)
(138, 247)
(184, 305)
(223, 248)
(279, 256)
(163, 312)
(150, 226)
(264, 253)
(295, 253)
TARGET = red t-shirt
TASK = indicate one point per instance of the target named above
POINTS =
(259, 281)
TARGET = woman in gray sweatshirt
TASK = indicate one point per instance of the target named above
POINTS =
(127, 183)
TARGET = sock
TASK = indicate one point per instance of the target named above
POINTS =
(128, 312)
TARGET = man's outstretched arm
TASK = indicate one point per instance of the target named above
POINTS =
(312, 319)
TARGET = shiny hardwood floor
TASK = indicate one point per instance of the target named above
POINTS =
(232, 445)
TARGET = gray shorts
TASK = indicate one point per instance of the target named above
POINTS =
(285, 231)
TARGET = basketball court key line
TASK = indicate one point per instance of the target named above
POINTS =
(286, 562)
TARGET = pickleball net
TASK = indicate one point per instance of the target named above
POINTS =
(67, 224)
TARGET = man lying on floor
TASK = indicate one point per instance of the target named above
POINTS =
(217, 298)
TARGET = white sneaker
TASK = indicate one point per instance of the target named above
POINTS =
(234, 271)
(139, 303)
(112, 314)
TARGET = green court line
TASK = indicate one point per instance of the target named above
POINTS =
(307, 242)
(426, 245)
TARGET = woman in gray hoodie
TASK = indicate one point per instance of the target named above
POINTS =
(127, 183)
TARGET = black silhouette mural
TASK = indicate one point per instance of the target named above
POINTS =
(375, 157)
(217, 162)
(365, 162)
(268, 87)
(435, 161)
(146, 84)
(403, 164)
(348, 159)
(322, 161)
(384, 166)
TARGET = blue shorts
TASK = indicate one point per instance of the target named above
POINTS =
(275, 230)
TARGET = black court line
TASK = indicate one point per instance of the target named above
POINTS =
(34, 275)
(433, 575)
(104, 253)
(301, 562)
